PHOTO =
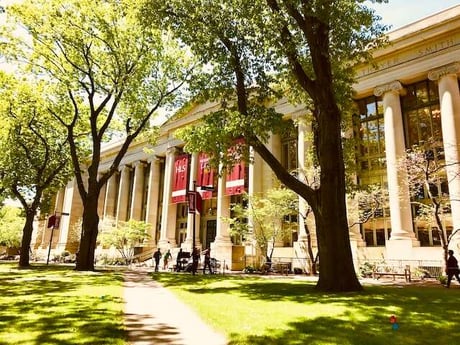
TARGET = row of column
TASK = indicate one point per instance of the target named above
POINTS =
(169, 211)
(400, 210)
(117, 194)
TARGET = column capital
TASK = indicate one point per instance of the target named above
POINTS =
(139, 164)
(155, 159)
(394, 86)
(170, 151)
(123, 168)
(450, 69)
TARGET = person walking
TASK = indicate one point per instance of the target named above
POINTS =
(179, 261)
(195, 259)
(452, 268)
(207, 261)
(166, 258)
(156, 258)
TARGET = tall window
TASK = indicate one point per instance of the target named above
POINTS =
(422, 126)
(421, 113)
(369, 129)
(370, 152)
(289, 149)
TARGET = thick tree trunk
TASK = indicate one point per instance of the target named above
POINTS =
(90, 224)
(336, 270)
(24, 256)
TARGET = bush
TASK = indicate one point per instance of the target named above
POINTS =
(366, 269)
(442, 280)
(249, 269)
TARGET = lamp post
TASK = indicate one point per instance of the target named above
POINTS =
(194, 216)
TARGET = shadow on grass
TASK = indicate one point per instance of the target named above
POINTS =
(426, 315)
(53, 305)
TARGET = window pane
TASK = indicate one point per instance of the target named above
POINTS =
(422, 94)
(371, 109)
(423, 237)
(436, 236)
(369, 237)
(412, 128)
(380, 236)
(424, 121)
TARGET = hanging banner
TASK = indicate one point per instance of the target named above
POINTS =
(235, 178)
(194, 202)
(205, 179)
(179, 189)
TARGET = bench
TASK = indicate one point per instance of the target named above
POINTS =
(281, 267)
(393, 271)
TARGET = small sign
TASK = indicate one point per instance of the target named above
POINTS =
(191, 196)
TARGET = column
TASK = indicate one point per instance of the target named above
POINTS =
(123, 194)
(169, 210)
(222, 245)
(399, 197)
(110, 196)
(255, 183)
(188, 243)
(449, 99)
(138, 191)
(153, 196)
(302, 148)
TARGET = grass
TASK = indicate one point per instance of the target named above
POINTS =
(56, 305)
(254, 310)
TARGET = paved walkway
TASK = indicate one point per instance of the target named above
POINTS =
(154, 316)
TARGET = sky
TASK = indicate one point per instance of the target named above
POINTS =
(398, 13)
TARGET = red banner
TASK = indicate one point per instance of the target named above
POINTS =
(205, 177)
(235, 178)
(179, 190)
(194, 202)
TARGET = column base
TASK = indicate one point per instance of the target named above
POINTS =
(222, 251)
(401, 249)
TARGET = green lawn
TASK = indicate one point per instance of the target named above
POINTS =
(253, 310)
(56, 305)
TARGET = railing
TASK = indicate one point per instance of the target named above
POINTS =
(421, 268)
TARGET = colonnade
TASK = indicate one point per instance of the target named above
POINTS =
(134, 193)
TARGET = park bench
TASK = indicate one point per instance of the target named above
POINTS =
(392, 271)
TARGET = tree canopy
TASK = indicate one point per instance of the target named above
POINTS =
(256, 51)
(35, 160)
(110, 76)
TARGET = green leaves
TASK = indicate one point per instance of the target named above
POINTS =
(34, 158)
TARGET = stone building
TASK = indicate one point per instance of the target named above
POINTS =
(410, 94)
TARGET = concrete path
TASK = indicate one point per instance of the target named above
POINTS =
(154, 316)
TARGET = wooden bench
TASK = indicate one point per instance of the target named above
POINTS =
(393, 271)
(281, 267)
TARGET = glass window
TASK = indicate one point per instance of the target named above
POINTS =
(421, 113)
(380, 237)
(289, 149)
(423, 237)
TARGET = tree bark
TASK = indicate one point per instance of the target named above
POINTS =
(24, 255)
(90, 225)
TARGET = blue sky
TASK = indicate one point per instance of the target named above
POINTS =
(401, 12)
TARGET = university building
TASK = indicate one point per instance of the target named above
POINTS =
(408, 96)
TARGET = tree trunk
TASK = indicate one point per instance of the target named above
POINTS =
(24, 256)
(90, 224)
(336, 270)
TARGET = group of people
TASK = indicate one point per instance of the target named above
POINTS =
(196, 254)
